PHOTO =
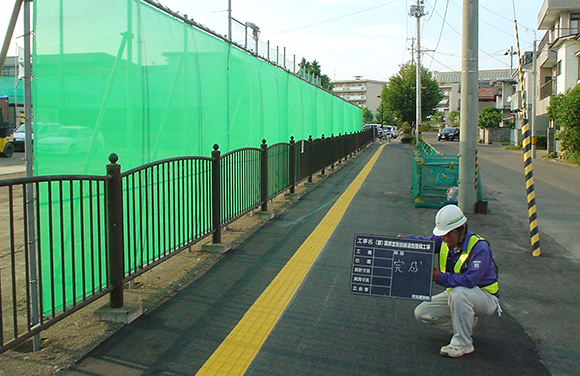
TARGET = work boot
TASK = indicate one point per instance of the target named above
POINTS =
(455, 351)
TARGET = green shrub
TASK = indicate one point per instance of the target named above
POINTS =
(573, 157)
(406, 139)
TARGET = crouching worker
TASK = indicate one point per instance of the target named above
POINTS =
(468, 271)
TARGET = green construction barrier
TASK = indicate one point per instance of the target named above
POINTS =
(125, 77)
(433, 174)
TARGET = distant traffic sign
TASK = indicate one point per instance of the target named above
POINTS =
(392, 267)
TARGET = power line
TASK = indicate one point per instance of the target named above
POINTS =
(458, 33)
(336, 18)
(202, 9)
(440, 63)
(442, 25)
(441, 30)
(433, 7)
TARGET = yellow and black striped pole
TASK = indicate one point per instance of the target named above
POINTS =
(528, 166)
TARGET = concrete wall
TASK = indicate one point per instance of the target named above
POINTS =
(495, 135)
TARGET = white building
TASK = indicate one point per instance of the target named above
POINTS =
(490, 85)
(558, 56)
(361, 92)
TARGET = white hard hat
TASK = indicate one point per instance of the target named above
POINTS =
(448, 218)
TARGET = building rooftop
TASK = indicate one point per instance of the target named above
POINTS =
(484, 75)
(355, 80)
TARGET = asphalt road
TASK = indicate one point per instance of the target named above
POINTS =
(556, 186)
(17, 159)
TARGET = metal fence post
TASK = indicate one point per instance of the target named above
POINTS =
(216, 195)
(332, 159)
(310, 162)
(264, 175)
(292, 164)
(350, 141)
(323, 154)
(339, 142)
(115, 242)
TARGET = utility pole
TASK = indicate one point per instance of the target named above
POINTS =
(230, 20)
(469, 99)
(534, 94)
(511, 53)
(418, 11)
(32, 250)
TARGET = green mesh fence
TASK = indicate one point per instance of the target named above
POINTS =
(124, 77)
(433, 174)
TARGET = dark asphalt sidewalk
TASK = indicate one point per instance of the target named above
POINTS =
(326, 330)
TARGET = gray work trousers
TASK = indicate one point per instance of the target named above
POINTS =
(454, 311)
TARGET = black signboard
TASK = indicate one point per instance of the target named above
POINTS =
(392, 267)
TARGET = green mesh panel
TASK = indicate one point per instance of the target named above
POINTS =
(123, 77)
(433, 174)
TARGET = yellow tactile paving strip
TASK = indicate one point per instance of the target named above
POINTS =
(237, 351)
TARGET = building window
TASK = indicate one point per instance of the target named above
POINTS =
(574, 23)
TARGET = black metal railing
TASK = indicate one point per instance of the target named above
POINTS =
(92, 234)
(166, 206)
(56, 265)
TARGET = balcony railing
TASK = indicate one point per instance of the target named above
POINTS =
(546, 90)
(350, 88)
(553, 35)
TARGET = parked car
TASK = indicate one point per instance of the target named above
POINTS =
(448, 134)
(391, 128)
(378, 131)
(70, 140)
(19, 138)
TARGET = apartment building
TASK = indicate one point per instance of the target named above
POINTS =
(361, 92)
(492, 83)
(558, 56)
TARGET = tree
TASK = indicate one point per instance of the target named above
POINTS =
(315, 69)
(385, 116)
(490, 117)
(566, 110)
(399, 94)
(367, 115)
(454, 117)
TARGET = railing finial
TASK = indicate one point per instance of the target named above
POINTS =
(113, 158)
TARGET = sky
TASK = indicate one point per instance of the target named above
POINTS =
(368, 38)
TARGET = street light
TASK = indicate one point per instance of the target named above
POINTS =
(511, 54)
(255, 33)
